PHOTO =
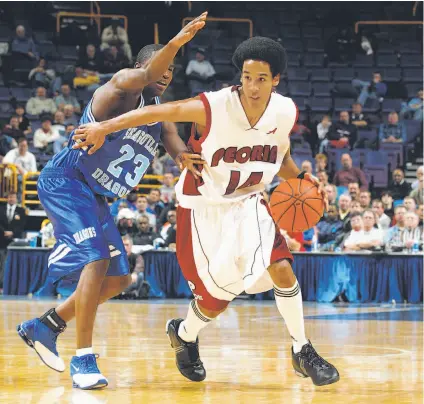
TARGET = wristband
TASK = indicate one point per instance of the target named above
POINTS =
(301, 175)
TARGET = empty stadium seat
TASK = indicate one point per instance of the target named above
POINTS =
(322, 74)
(321, 89)
(364, 73)
(345, 74)
(413, 88)
(413, 75)
(320, 104)
(413, 129)
(387, 61)
(314, 45)
(378, 174)
(368, 136)
(314, 60)
(311, 32)
(293, 45)
(21, 94)
(343, 104)
(392, 74)
(300, 88)
(293, 59)
(363, 61)
(411, 61)
(4, 94)
(394, 153)
(391, 105)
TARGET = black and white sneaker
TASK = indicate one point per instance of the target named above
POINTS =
(307, 363)
(186, 353)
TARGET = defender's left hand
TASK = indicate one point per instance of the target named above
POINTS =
(89, 134)
(189, 161)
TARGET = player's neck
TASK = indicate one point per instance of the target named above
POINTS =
(253, 111)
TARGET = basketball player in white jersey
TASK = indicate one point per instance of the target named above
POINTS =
(227, 242)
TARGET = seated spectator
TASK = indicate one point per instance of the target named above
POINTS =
(24, 124)
(344, 211)
(393, 131)
(136, 267)
(356, 225)
(369, 238)
(412, 234)
(130, 200)
(12, 129)
(343, 133)
(41, 75)
(323, 178)
(116, 36)
(306, 166)
(331, 191)
(168, 187)
(66, 98)
(170, 224)
(62, 142)
(417, 193)
(355, 207)
(143, 209)
(329, 228)
(91, 61)
(23, 46)
(322, 130)
(420, 213)
(144, 235)
(409, 204)
(59, 122)
(387, 199)
(393, 238)
(376, 89)
(413, 109)
(70, 117)
(200, 71)
(155, 204)
(172, 205)
(166, 164)
(88, 80)
(383, 221)
(321, 163)
(125, 222)
(6, 144)
(23, 159)
(357, 117)
(113, 60)
(399, 188)
(349, 174)
(40, 103)
(353, 189)
(365, 199)
(420, 176)
(45, 136)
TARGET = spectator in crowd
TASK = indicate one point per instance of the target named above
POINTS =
(168, 188)
(155, 203)
(41, 75)
(143, 209)
(70, 117)
(125, 222)
(340, 47)
(66, 98)
(353, 190)
(12, 129)
(344, 211)
(199, 70)
(414, 108)
(136, 267)
(172, 205)
(399, 188)
(420, 176)
(23, 159)
(24, 124)
(387, 199)
(357, 117)
(365, 199)
(62, 142)
(86, 79)
(355, 207)
(59, 122)
(6, 144)
(329, 228)
(356, 226)
(409, 204)
(420, 213)
(41, 103)
(376, 89)
(172, 221)
(412, 234)
(23, 46)
(45, 136)
(90, 61)
(321, 162)
(113, 60)
(417, 193)
(144, 234)
(349, 174)
(331, 191)
(393, 131)
(367, 239)
(116, 36)
(130, 201)
(343, 133)
(393, 239)
(322, 130)
(306, 166)
(323, 178)
(383, 221)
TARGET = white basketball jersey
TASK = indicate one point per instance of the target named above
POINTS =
(241, 159)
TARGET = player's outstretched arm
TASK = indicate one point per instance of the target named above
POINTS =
(137, 79)
(190, 110)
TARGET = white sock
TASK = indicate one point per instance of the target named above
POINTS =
(195, 321)
(84, 351)
(289, 303)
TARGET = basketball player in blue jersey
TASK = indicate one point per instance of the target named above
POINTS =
(72, 188)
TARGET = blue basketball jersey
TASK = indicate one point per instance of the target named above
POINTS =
(119, 165)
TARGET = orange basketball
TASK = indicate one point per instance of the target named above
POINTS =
(296, 205)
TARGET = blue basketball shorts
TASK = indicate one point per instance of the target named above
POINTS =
(83, 226)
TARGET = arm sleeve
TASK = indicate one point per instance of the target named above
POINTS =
(189, 68)
(30, 107)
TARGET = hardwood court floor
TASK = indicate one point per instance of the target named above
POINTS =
(378, 350)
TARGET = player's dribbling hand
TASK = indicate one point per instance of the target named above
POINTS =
(320, 185)
(87, 135)
(190, 30)
(189, 161)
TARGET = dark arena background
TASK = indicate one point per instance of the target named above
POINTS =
(355, 72)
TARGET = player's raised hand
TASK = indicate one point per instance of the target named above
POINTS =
(189, 161)
(190, 30)
(320, 185)
(89, 134)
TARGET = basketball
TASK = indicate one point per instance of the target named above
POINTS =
(296, 205)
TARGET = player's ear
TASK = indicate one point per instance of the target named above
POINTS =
(276, 80)
(137, 65)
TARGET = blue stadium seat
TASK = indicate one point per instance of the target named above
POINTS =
(300, 74)
(320, 104)
(21, 94)
(411, 61)
(311, 32)
(47, 50)
(322, 74)
(413, 130)
(378, 174)
(343, 104)
(282, 88)
(68, 52)
(385, 48)
(83, 95)
(392, 74)
(364, 73)
(321, 89)
(371, 106)
(363, 61)
(300, 88)
(387, 61)
(345, 74)
(290, 32)
(301, 102)
(314, 60)
(359, 155)
(376, 158)
(409, 48)
(412, 75)
(370, 136)
(391, 105)
(293, 45)
(4, 94)
(413, 88)
(394, 153)
(222, 56)
(293, 59)
(314, 45)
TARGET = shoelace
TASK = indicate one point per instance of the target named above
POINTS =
(89, 364)
(314, 359)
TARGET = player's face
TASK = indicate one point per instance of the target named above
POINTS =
(158, 88)
(257, 82)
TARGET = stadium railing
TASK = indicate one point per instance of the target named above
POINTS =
(8, 180)
(358, 23)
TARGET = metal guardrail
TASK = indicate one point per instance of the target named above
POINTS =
(358, 23)
(8, 180)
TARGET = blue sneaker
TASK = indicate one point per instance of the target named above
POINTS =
(85, 373)
(43, 340)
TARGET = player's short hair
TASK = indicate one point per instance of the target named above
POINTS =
(146, 53)
(264, 49)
